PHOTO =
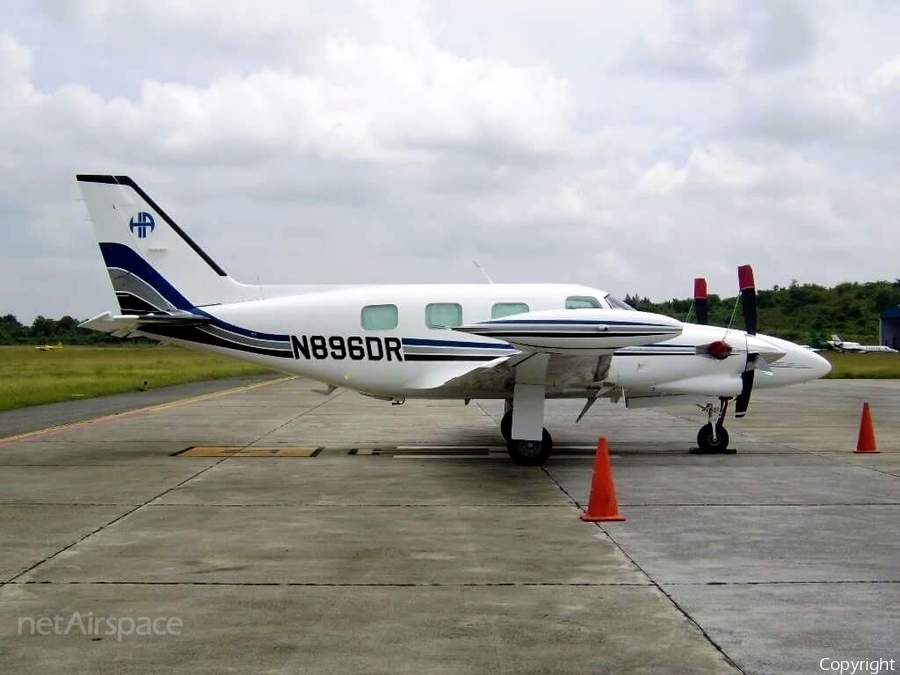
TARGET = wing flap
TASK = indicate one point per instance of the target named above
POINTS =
(568, 373)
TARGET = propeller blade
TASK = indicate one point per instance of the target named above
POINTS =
(701, 303)
(748, 298)
(743, 399)
(748, 305)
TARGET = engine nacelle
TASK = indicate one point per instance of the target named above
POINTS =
(570, 331)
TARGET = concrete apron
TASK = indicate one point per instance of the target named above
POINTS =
(389, 563)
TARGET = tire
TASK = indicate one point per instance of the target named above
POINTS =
(506, 426)
(531, 453)
(705, 438)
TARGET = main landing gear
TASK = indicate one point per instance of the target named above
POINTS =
(713, 437)
(525, 453)
(527, 441)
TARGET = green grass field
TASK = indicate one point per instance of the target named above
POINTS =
(31, 377)
(863, 366)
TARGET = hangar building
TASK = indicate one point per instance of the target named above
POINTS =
(889, 327)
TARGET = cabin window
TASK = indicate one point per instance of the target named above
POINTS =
(379, 317)
(443, 315)
(581, 302)
(501, 309)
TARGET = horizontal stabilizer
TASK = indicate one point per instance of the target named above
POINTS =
(131, 325)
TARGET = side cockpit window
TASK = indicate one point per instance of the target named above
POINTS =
(443, 315)
(582, 302)
(501, 309)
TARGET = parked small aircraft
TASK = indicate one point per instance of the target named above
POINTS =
(818, 343)
(522, 343)
(841, 346)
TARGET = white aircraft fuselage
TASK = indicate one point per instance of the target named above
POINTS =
(319, 335)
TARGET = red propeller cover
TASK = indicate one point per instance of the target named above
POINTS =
(719, 349)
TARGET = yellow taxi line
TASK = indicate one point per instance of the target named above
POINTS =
(248, 451)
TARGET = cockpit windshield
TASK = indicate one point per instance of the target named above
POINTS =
(615, 303)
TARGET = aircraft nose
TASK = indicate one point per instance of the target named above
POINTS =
(796, 365)
(810, 366)
(819, 364)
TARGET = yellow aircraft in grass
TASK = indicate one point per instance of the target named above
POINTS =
(50, 348)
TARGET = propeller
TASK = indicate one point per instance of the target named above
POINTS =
(748, 305)
(701, 303)
(718, 349)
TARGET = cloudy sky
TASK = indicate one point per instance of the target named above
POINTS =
(625, 147)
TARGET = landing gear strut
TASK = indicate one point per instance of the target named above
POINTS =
(713, 437)
(527, 441)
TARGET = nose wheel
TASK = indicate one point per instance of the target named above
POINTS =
(713, 436)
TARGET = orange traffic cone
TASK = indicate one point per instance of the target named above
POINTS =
(865, 444)
(602, 501)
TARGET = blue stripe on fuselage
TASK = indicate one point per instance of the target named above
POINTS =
(123, 257)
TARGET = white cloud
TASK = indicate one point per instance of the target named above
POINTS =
(885, 78)
(661, 179)
(15, 58)
(717, 38)
(354, 100)
(336, 142)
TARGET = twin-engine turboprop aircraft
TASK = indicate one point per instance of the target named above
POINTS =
(522, 343)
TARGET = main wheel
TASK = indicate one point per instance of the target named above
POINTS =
(531, 453)
(506, 426)
(707, 443)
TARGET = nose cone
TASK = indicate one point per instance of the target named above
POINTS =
(798, 364)
(819, 364)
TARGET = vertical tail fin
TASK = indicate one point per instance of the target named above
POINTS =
(153, 264)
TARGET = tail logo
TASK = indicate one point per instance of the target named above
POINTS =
(142, 224)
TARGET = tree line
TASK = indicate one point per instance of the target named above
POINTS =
(794, 312)
(50, 331)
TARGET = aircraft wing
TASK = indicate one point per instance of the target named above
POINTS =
(565, 373)
(131, 325)
(578, 342)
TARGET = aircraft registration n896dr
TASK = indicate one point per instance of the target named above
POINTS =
(522, 343)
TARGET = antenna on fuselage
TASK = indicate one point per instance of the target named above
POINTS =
(481, 269)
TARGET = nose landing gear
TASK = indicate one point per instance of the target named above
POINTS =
(713, 436)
